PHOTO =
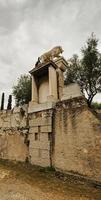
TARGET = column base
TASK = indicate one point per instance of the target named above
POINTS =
(51, 98)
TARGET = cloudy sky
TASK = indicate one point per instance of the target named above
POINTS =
(28, 28)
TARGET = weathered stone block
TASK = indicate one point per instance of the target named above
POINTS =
(33, 129)
(41, 121)
(46, 129)
(42, 144)
(36, 158)
(45, 154)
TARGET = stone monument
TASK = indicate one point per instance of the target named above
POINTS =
(57, 128)
(47, 91)
(47, 79)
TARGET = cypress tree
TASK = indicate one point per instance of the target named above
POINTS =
(9, 106)
(2, 101)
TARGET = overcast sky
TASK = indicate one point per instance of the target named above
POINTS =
(28, 28)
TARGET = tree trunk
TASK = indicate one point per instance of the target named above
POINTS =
(89, 101)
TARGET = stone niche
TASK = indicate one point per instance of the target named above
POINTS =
(43, 89)
(47, 84)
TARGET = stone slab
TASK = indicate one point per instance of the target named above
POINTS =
(33, 107)
(46, 129)
(41, 121)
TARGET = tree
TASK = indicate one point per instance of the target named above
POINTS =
(22, 91)
(72, 71)
(9, 105)
(87, 71)
(91, 68)
(2, 101)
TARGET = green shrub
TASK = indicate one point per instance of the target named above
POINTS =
(96, 105)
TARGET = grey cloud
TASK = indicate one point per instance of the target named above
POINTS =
(13, 12)
(30, 27)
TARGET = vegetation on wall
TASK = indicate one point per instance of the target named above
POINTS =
(87, 70)
(22, 91)
(96, 105)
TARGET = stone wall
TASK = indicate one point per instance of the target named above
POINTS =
(77, 133)
(26, 137)
(13, 134)
(66, 136)
(40, 132)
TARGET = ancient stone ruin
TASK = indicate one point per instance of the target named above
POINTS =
(56, 129)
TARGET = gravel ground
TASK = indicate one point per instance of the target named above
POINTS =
(20, 183)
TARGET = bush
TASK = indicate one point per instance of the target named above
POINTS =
(96, 105)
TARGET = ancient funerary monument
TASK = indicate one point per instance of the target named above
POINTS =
(57, 128)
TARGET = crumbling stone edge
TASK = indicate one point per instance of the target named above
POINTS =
(77, 178)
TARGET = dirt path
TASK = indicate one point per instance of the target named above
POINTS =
(20, 183)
